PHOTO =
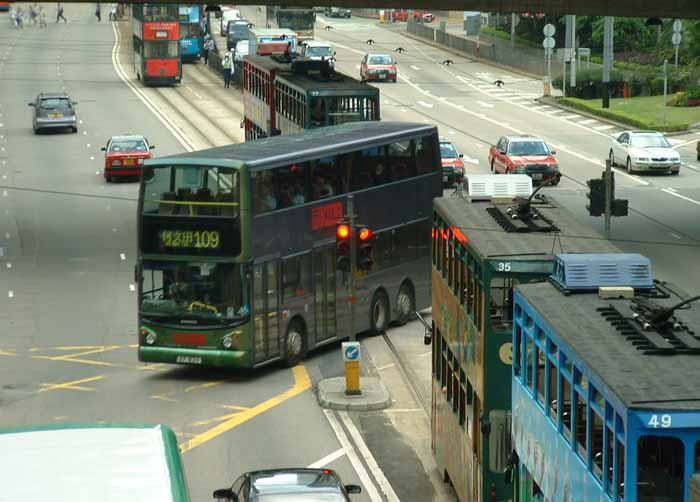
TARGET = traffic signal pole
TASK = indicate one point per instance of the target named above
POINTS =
(352, 287)
(608, 196)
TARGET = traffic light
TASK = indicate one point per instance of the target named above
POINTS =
(597, 196)
(342, 246)
(365, 236)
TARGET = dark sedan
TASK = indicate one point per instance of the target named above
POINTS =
(288, 485)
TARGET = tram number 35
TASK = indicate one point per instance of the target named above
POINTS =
(503, 266)
(659, 421)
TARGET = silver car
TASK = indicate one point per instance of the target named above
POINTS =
(54, 110)
(647, 151)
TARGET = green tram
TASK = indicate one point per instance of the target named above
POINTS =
(480, 251)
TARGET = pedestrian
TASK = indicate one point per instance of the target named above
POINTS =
(208, 45)
(20, 15)
(59, 13)
(226, 67)
(113, 12)
(33, 14)
(42, 17)
(233, 73)
(13, 17)
(98, 12)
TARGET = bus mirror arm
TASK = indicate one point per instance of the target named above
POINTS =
(225, 494)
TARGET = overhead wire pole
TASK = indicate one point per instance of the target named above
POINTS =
(607, 58)
(608, 196)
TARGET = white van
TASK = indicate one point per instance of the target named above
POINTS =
(226, 16)
(317, 50)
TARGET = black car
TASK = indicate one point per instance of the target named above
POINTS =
(288, 485)
(338, 12)
(54, 110)
(236, 30)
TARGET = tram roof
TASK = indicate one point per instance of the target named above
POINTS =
(307, 145)
(342, 82)
(638, 379)
(489, 239)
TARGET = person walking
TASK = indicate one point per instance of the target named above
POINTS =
(233, 73)
(20, 20)
(113, 12)
(208, 45)
(226, 67)
(13, 17)
(59, 13)
(33, 14)
(42, 17)
(98, 12)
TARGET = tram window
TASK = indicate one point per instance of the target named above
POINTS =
(463, 281)
(450, 374)
(476, 442)
(434, 236)
(620, 470)
(660, 469)
(437, 353)
(501, 307)
(456, 393)
(611, 467)
(462, 396)
(553, 408)
(499, 440)
(440, 245)
(469, 412)
(446, 257)
(581, 425)
(697, 456)
(529, 358)
(597, 445)
(517, 350)
(566, 406)
(443, 378)
(479, 304)
(324, 178)
(541, 360)
(450, 266)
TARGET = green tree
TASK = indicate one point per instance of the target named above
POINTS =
(631, 34)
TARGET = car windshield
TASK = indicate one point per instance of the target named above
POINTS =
(190, 191)
(528, 148)
(133, 145)
(448, 151)
(301, 497)
(55, 104)
(650, 141)
(319, 52)
(379, 60)
(187, 290)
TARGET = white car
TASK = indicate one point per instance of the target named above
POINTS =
(226, 16)
(644, 151)
(317, 50)
(240, 51)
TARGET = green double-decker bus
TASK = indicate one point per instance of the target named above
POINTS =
(483, 246)
(236, 261)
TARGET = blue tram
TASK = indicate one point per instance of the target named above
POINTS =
(191, 36)
(605, 397)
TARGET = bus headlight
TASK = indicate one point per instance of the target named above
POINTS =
(228, 341)
(151, 338)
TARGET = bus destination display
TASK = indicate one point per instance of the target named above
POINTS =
(189, 239)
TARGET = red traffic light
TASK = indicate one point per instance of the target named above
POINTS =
(342, 231)
(365, 234)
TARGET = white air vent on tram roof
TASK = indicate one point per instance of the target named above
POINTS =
(491, 186)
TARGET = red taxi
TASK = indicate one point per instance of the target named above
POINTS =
(524, 155)
(125, 155)
(403, 15)
(378, 67)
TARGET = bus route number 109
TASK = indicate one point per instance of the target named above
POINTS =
(659, 421)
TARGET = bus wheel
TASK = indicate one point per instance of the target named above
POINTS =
(405, 304)
(294, 344)
(379, 313)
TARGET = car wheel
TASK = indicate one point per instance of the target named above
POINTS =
(676, 173)
(629, 166)
(698, 156)
(611, 156)
(405, 304)
(378, 313)
(74, 129)
(493, 167)
(294, 344)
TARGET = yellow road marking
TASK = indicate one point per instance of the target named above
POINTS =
(74, 385)
(5, 353)
(205, 385)
(151, 366)
(302, 382)
(234, 407)
(98, 350)
(83, 361)
(164, 397)
(75, 347)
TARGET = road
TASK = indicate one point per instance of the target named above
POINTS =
(67, 244)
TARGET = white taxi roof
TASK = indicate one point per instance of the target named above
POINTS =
(106, 464)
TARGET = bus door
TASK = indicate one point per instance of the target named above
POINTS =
(266, 311)
(324, 293)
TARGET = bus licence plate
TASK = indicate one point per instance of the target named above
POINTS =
(188, 360)
(382, 76)
(536, 176)
(444, 179)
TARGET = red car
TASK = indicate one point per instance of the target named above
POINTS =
(125, 155)
(452, 164)
(403, 15)
(524, 155)
(379, 67)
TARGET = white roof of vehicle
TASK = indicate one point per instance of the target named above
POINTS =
(317, 43)
(105, 464)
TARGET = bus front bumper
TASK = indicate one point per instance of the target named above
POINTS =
(195, 357)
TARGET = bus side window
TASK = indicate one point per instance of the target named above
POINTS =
(401, 160)
(324, 178)
(264, 199)
(426, 155)
(296, 277)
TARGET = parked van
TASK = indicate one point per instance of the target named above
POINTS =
(226, 16)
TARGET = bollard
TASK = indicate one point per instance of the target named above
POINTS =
(351, 357)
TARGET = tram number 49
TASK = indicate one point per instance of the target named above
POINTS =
(659, 421)
(504, 266)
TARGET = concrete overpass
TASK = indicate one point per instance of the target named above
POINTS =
(639, 8)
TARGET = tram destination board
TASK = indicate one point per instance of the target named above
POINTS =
(191, 237)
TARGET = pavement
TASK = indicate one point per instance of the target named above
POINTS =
(68, 241)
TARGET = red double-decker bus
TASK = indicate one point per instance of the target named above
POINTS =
(157, 43)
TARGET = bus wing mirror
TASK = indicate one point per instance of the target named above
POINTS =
(353, 489)
(104, 148)
(74, 103)
(224, 493)
(151, 146)
(553, 152)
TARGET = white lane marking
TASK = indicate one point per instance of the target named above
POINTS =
(384, 484)
(386, 366)
(572, 116)
(414, 67)
(193, 92)
(588, 121)
(684, 143)
(10, 294)
(451, 132)
(427, 105)
(687, 199)
(179, 136)
(4, 193)
(604, 127)
(327, 459)
(132, 287)
(675, 236)
(84, 133)
(97, 172)
(691, 166)
(471, 160)
(7, 235)
(88, 145)
(114, 230)
(122, 256)
(485, 104)
(9, 265)
(92, 157)
(357, 464)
